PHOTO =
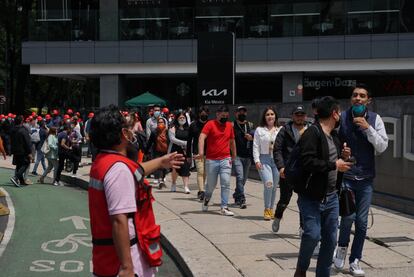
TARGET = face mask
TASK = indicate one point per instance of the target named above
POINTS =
(223, 120)
(157, 114)
(161, 127)
(358, 110)
(182, 122)
(241, 117)
(203, 117)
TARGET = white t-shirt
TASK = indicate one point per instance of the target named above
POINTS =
(119, 186)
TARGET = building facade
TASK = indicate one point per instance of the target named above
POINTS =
(287, 51)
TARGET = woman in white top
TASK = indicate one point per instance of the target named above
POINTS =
(263, 142)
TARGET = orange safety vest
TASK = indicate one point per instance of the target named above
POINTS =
(104, 258)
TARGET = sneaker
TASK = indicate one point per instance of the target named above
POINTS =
(225, 211)
(14, 181)
(73, 174)
(162, 185)
(186, 190)
(204, 206)
(41, 180)
(276, 225)
(316, 250)
(340, 256)
(267, 215)
(28, 182)
(355, 269)
(201, 196)
(243, 204)
(34, 173)
(56, 183)
(173, 188)
(272, 213)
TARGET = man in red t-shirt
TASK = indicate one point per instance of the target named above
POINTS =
(219, 136)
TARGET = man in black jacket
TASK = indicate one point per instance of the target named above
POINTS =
(21, 148)
(318, 198)
(286, 139)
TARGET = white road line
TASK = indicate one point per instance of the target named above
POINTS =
(10, 223)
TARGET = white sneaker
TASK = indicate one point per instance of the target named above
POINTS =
(173, 188)
(225, 211)
(204, 205)
(340, 256)
(316, 250)
(55, 183)
(74, 175)
(186, 190)
(355, 269)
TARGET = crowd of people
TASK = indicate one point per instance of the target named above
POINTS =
(334, 150)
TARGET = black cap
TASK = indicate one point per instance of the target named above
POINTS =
(299, 109)
(239, 108)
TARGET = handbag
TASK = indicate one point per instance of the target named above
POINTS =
(45, 147)
(346, 202)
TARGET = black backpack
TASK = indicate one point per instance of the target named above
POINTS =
(294, 173)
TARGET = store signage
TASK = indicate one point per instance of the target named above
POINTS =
(328, 83)
(215, 68)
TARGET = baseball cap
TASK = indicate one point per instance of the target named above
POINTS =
(239, 108)
(299, 109)
(90, 115)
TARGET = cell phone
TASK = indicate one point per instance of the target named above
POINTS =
(352, 160)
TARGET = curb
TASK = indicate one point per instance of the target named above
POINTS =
(166, 244)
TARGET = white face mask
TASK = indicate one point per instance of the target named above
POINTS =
(182, 122)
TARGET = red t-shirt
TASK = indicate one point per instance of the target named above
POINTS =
(218, 139)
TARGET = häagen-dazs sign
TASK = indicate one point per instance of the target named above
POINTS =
(328, 83)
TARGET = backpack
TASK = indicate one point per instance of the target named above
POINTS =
(294, 173)
(161, 143)
(35, 135)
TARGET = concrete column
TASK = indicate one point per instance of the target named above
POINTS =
(108, 20)
(292, 87)
(112, 90)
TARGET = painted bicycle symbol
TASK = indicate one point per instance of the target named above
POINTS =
(67, 245)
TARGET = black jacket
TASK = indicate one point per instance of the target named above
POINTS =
(315, 160)
(21, 144)
(285, 141)
(193, 135)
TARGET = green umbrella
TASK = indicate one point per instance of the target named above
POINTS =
(145, 99)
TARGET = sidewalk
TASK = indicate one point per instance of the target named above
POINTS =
(244, 245)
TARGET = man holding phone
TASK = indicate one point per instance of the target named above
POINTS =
(365, 134)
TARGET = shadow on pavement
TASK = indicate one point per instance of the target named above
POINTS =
(272, 236)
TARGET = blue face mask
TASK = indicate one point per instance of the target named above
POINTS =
(358, 110)
(157, 114)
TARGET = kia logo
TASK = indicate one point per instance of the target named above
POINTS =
(214, 92)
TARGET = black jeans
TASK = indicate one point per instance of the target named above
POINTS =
(62, 158)
(76, 156)
(286, 192)
(22, 162)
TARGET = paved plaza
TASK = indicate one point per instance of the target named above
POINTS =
(243, 245)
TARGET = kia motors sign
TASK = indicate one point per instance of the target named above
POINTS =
(215, 68)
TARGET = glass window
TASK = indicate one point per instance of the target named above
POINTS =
(256, 23)
(360, 23)
(181, 23)
(282, 20)
(407, 19)
(385, 22)
(332, 18)
(220, 19)
(307, 18)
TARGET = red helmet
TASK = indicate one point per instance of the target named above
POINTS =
(165, 110)
(66, 116)
(77, 114)
(90, 115)
(125, 113)
(33, 114)
(1, 116)
(70, 111)
(55, 112)
(48, 116)
(6, 117)
(39, 118)
(10, 115)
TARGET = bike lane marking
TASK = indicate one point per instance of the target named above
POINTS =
(10, 223)
(38, 213)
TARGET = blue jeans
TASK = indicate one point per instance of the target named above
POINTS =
(363, 195)
(40, 158)
(320, 223)
(241, 168)
(270, 178)
(214, 169)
